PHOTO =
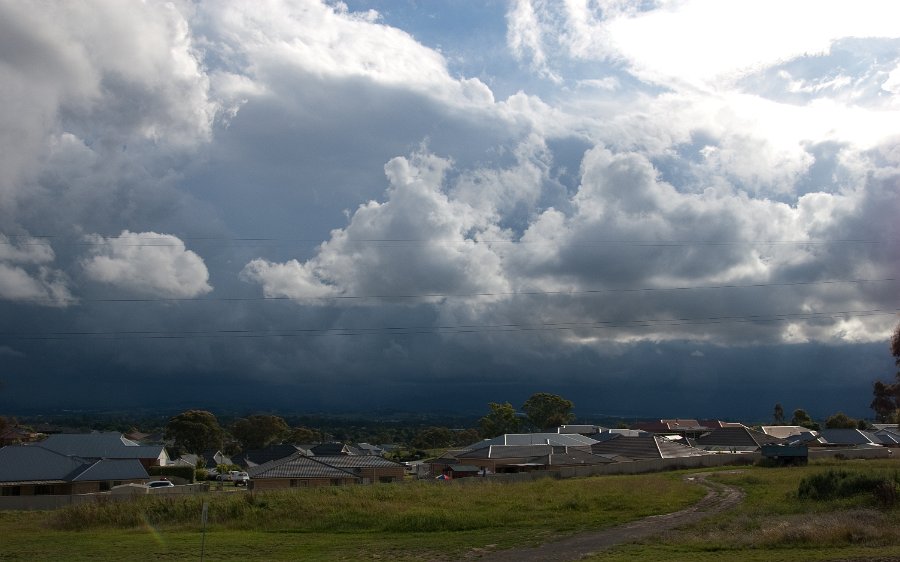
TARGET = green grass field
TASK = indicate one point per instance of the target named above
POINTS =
(773, 524)
(430, 521)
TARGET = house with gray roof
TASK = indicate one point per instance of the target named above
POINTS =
(298, 471)
(301, 470)
(105, 445)
(27, 470)
(888, 437)
(559, 439)
(847, 438)
(640, 445)
(209, 459)
(498, 458)
(734, 439)
(370, 468)
(257, 457)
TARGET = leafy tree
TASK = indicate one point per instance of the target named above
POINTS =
(195, 431)
(433, 438)
(255, 432)
(466, 437)
(304, 435)
(778, 417)
(895, 347)
(841, 420)
(801, 418)
(500, 420)
(545, 410)
(886, 397)
(883, 402)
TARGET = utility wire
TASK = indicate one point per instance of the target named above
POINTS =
(445, 329)
(162, 241)
(466, 295)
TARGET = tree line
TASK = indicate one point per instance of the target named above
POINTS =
(195, 431)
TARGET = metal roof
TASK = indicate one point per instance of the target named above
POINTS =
(564, 439)
(842, 436)
(643, 446)
(103, 445)
(357, 461)
(114, 469)
(35, 464)
(735, 437)
(298, 466)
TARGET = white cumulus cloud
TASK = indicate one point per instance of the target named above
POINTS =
(147, 263)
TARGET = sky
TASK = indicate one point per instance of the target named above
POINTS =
(654, 208)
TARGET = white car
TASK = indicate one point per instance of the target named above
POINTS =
(160, 484)
(240, 478)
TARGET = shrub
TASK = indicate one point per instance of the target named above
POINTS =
(835, 484)
(885, 493)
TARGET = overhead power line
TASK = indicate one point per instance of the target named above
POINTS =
(388, 297)
(163, 241)
(443, 329)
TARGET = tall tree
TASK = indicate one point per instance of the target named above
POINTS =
(500, 420)
(304, 435)
(433, 438)
(778, 417)
(255, 432)
(895, 347)
(545, 410)
(195, 431)
(883, 401)
(801, 418)
(841, 420)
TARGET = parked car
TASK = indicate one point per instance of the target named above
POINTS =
(160, 484)
(240, 478)
(225, 476)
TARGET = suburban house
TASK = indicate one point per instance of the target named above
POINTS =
(523, 452)
(888, 437)
(847, 438)
(210, 459)
(257, 457)
(369, 449)
(334, 448)
(582, 429)
(31, 470)
(734, 439)
(300, 470)
(683, 427)
(522, 458)
(640, 445)
(461, 471)
(370, 468)
(105, 445)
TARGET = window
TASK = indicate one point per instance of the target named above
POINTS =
(43, 490)
(11, 491)
(104, 486)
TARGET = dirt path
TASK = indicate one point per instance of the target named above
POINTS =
(719, 497)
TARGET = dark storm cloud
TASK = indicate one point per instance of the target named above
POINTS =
(290, 201)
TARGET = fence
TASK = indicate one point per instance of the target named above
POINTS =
(55, 502)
